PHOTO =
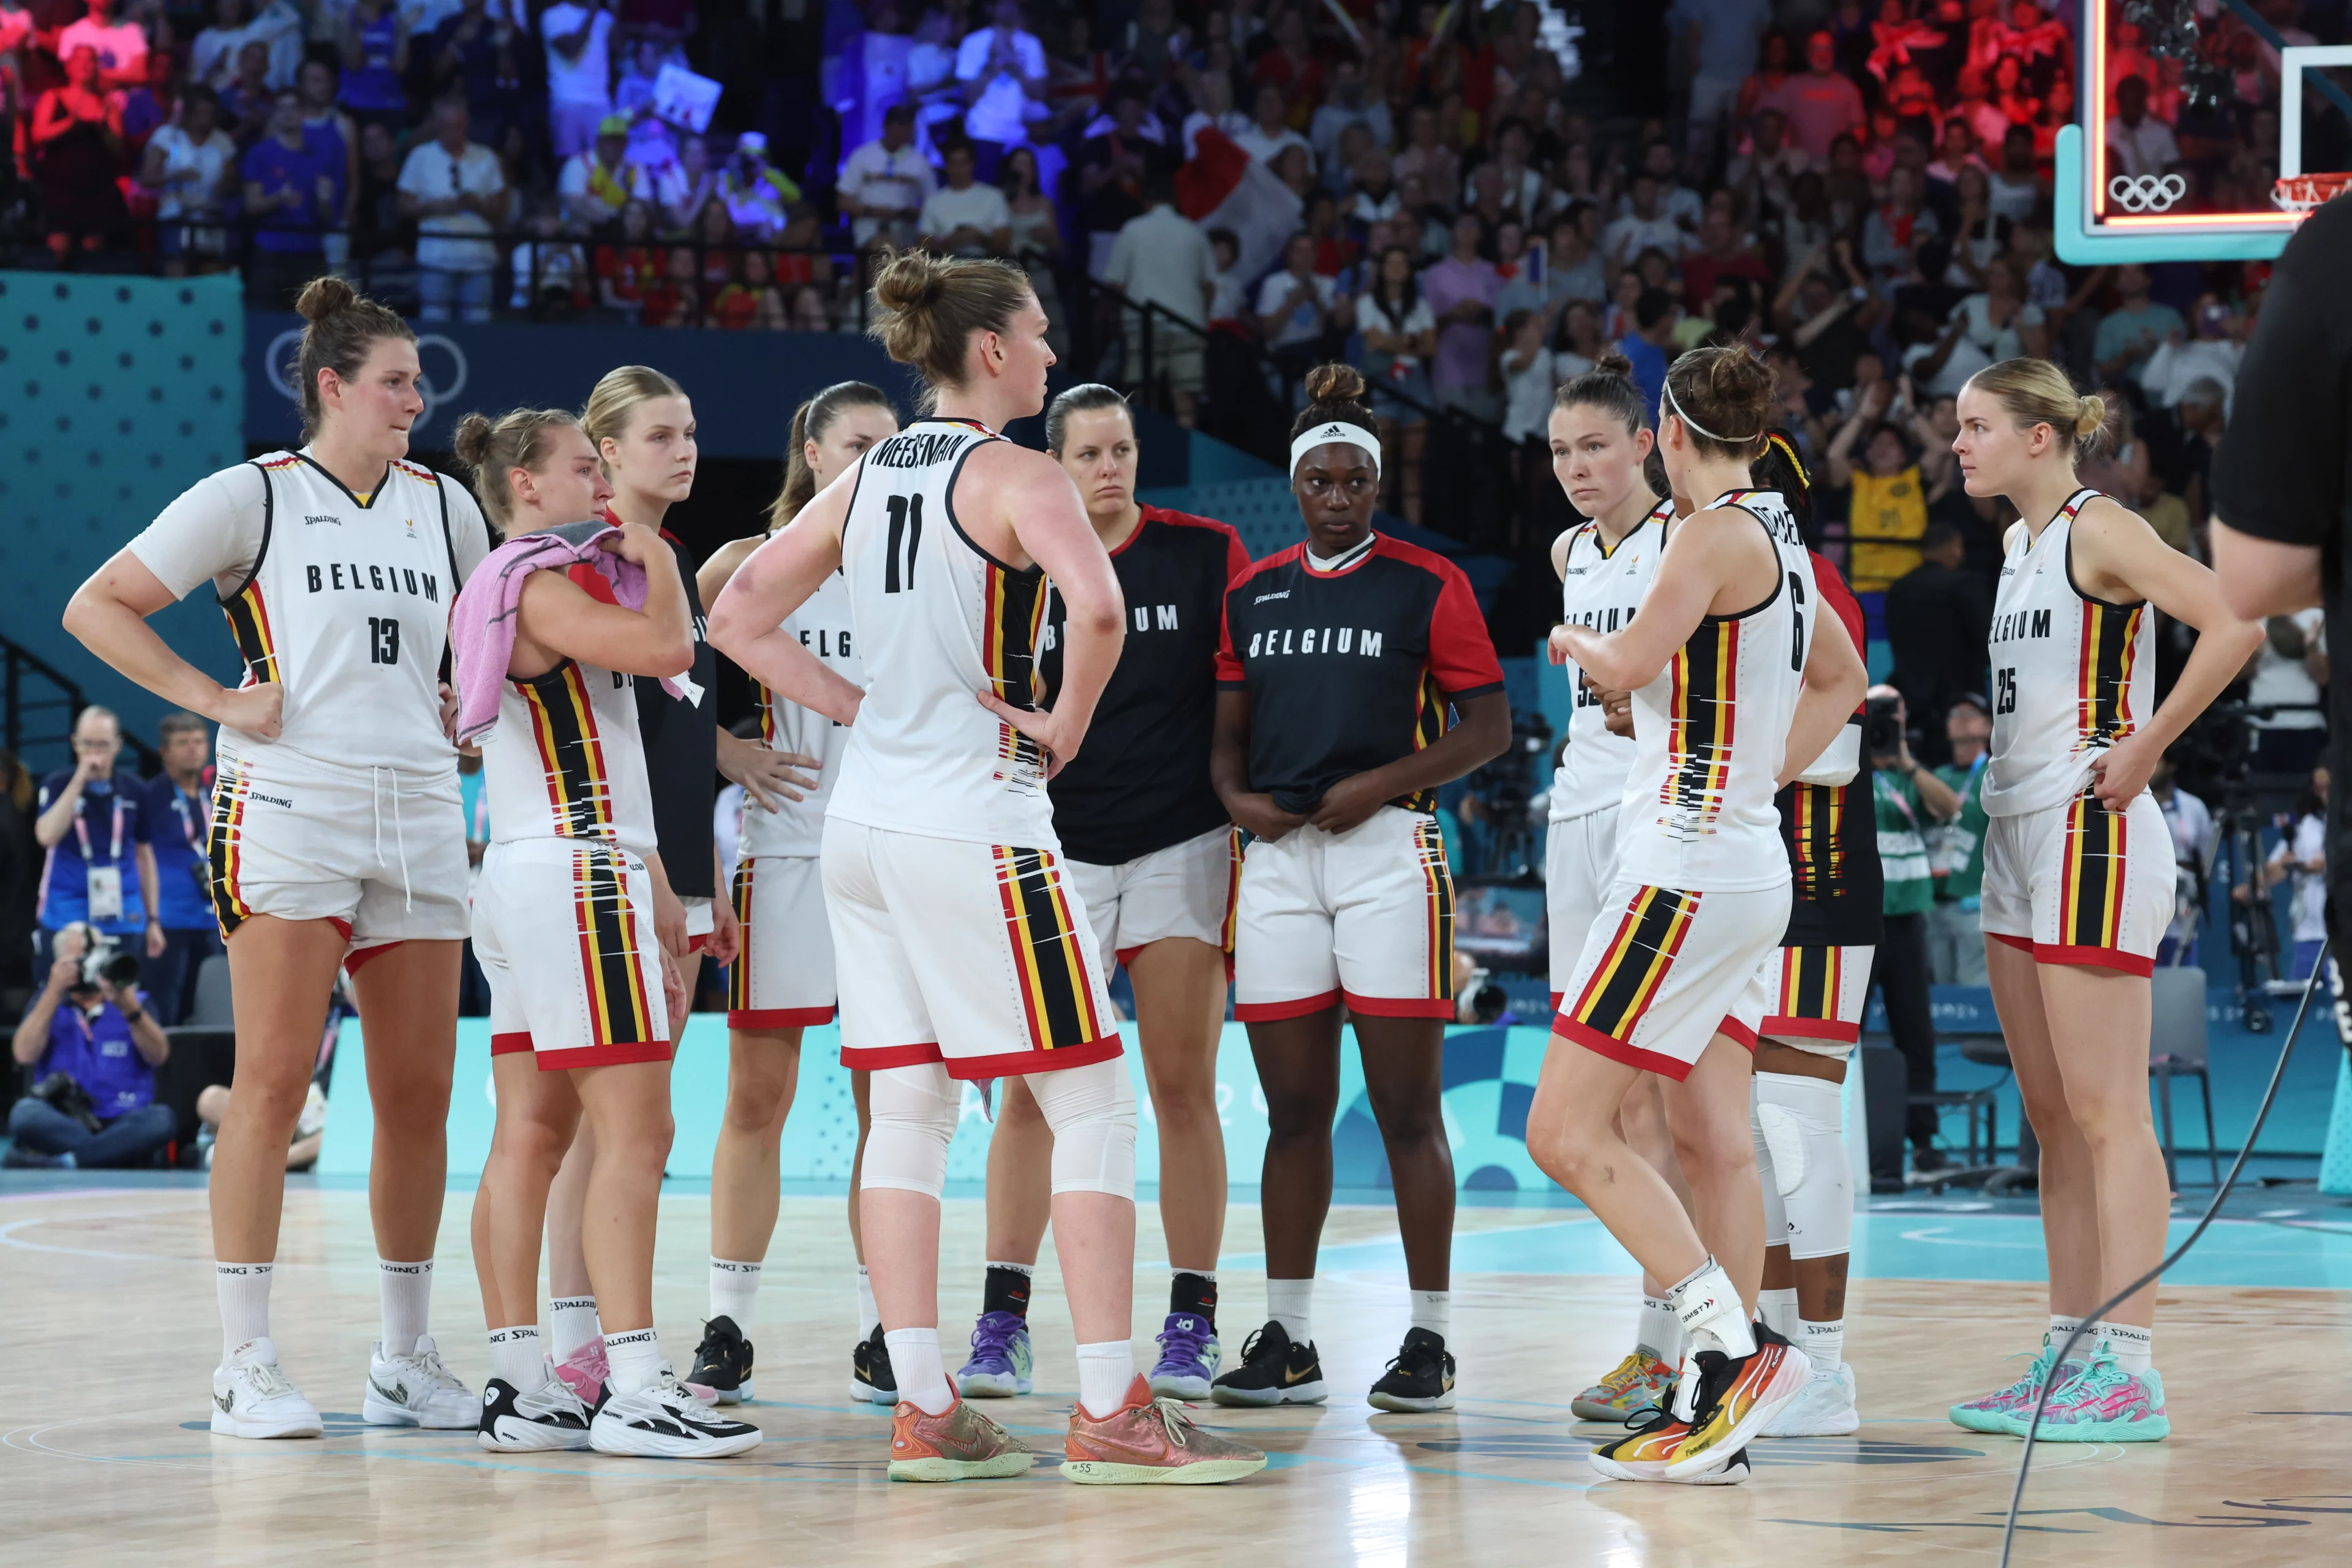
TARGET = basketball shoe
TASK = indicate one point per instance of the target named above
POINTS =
(2004, 1412)
(663, 1421)
(1151, 1442)
(722, 1363)
(1420, 1377)
(417, 1390)
(1721, 1403)
(585, 1370)
(999, 1361)
(1272, 1372)
(1188, 1354)
(252, 1398)
(2102, 1403)
(1640, 1382)
(548, 1416)
(870, 1377)
(960, 1444)
(1822, 1408)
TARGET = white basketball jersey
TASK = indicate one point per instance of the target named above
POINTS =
(1600, 589)
(1711, 731)
(348, 608)
(566, 760)
(937, 621)
(823, 626)
(2071, 675)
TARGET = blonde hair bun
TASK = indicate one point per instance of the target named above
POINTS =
(2089, 417)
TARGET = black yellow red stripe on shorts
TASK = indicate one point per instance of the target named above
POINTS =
(224, 851)
(612, 964)
(1813, 980)
(2091, 877)
(1057, 994)
(1627, 979)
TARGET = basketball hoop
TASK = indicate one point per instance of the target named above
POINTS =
(2301, 192)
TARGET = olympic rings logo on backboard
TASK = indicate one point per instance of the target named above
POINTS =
(2146, 193)
(436, 390)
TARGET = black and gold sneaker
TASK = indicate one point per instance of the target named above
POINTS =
(1272, 1372)
(722, 1362)
(870, 1377)
(1420, 1377)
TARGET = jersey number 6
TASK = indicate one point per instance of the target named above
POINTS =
(1796, 606)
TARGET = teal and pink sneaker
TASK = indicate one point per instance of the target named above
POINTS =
(2102, 1403)
(2004, 1412)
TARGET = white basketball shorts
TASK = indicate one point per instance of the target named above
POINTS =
(976, 956)
(1364, 916)
(1814, 997)
(563, 929)
(1186, 890)
(1579, 868)
(1664, 972)
(2076, 883)
(783, 979)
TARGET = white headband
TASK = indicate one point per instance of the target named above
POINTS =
(1336, 430)
(1726, 440)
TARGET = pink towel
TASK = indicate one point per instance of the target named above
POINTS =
(482, 624)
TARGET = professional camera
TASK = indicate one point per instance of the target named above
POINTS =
(102, 959)
(1882, 726)
(1480, 1000)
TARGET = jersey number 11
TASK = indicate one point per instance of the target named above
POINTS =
(907, 536)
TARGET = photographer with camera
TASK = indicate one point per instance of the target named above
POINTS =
(1907, 799)
(93, 823)
(94, 1048)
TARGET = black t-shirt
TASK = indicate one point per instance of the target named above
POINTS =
(681, 741)
(1349, 670)
(1140, 782)
(2285, 469)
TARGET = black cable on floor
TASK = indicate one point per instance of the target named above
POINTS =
(2278, 1072)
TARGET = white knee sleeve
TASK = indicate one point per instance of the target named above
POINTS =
(1776, 1215)
(1092, 1113)
(914, 1111)
(1801, 1152)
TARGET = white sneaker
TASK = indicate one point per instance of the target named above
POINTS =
(417, 1390)
(252, 1398)
(548, 1416)
(1822, 1408)
(313, 1115)
(666, 1422)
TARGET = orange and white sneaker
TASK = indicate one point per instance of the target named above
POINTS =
(1151, 1442)
(957, 1444)
(1639, 1382)
(1643, 1456)
(1734, 1401)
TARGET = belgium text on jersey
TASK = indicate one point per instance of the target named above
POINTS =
(355, 578)
(1315, 639)
(2017, 624)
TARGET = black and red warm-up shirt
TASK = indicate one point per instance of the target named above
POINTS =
(1830, 831)
(1349, 670)
(1140, 782)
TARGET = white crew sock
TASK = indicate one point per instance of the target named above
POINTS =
(2133, 1347)
(2061, 1327)
(1823, 1344)
(869, 1316)
(1290, 1302)
(1779, 1310)
(1713, 1318)
(244, 1292)
(1106, 1371)
(408, 1292)
(734, 1289)
(572, 1322)
(1661, 1332)
(515, 1356)
(922, 1375)
(636, 1359)
(1433, 1311)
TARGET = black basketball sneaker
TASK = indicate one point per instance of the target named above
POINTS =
(1420, 1377)
(722, 1362)
(1272, 1372)
(870, 1377)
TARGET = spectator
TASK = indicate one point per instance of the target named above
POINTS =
(101, 1038)
(2212, 355)
(152, 104)
(2194, 842)
(1001, 69)
(578, 72)
(473, 52)
(1424, 154)
(627, 271)
(1719, 42)
(217, 55)
(192, 169)
(2137, 142)
(1722, 252)
(1896, 225)
(1529, 375)
(120, 47)
(1907, 799)
(1766, 172)
(1677, 200)
(1348, 104)
(1821, 105)
(551, 272)
(454, 189)
(2129, 333)
(1956, 949)
(1644, 345)
(76, 140)
(317, 82)
(89, 819)
(376, 58)
(379, 231)
(1462, 291)
(885, 182)
(1299, 310)
(1399, 335)
(1269, 132)
(1645, 224)
(2302, 854)
(759, 195)
(178, 809)
(595, 185)
(1572, 267)
(2120, 466)
(1036, 233)
(1163, 260)
(1938, 617)
(246, 98)
(292, 191)
(2182, 443)
(2289, 673)
(1889, 509)
(2014, 186)
(749, 301)
(1114, 167)
(962, 218)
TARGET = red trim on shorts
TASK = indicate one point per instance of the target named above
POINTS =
(1005, 1064)
(1274, 1012)
(696, 944)
(874, 1059)
(605, 1055)
(1127, 954)
(361, 956)
(778, 1017)
(2095, 957)
(342, 925)
(1557, 998)
(1738, 1031)
(2025, 943)
(507, 1045)
(1617, 1050)
(1779, 1028)
(1397, 1006)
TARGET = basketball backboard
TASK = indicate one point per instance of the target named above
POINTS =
(2248, 168)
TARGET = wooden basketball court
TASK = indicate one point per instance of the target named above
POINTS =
(105, 1457)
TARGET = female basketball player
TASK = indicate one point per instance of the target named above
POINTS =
(1668, 981)
(783, 980)
(1152, 856)
(562, 924)
(1601, 453)
(1341, 657)
(336, 826)
(943, 876)
(2078, 882)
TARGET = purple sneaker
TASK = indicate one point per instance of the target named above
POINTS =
(1188, 1354)
(1000, 1358)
